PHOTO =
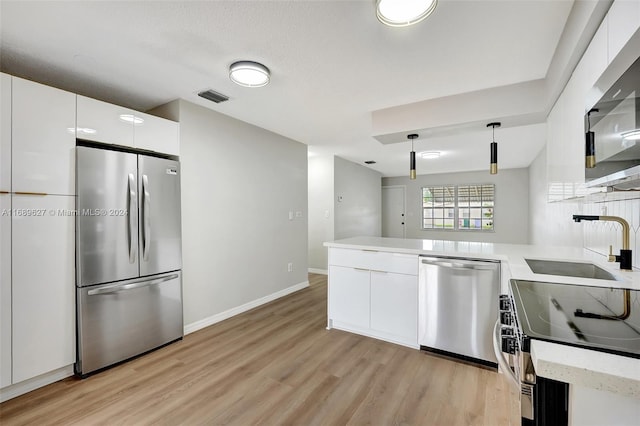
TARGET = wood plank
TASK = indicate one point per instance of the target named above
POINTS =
(275, 364)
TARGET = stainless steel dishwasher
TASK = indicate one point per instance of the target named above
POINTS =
(458, 306)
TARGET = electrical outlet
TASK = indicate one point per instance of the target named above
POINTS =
(290, 267)
(298, 214)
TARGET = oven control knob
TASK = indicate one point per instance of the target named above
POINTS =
(505, 318)
(508, 345)
(505, 303)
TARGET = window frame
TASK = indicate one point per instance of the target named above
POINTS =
(457, 208)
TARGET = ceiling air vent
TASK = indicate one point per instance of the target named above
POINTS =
(213, 96)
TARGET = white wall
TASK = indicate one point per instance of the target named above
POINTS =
(321, 209)
(511, 213)
(239, 183)
(357, 200)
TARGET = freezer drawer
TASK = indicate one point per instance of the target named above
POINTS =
(120, 320)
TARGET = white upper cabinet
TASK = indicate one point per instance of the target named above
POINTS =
(156, 134)
(624, 20)
(106, 123)
(43, 140)
(5, 133)
(592, 65)
(103, 122)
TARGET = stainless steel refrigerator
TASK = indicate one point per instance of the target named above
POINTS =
(128, 256)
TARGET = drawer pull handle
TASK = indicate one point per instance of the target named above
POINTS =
(361, 269)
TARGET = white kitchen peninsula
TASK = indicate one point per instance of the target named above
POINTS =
(616, 375)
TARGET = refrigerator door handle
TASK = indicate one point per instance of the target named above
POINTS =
(146, 217)
(136, 284)
(132, 213)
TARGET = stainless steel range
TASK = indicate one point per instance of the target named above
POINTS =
(597, 318)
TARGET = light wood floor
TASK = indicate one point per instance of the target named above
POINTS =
(276, 364)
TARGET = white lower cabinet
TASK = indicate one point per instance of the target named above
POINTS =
(5, 290)
(394, 305)
(43, 291)
(349, 296)
(376, 297)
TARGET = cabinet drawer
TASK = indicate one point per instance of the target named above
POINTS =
(375, 260)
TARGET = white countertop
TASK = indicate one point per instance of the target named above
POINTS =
(584, 367)
(513, 255)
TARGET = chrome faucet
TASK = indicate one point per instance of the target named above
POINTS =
(625, 253)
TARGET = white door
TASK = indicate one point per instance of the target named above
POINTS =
(393, 211)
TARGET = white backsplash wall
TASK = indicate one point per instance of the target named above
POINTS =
(599, 235)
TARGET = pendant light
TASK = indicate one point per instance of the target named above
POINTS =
(493, 169)
(590, 143)
(412, 157)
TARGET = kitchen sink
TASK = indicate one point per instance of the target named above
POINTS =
(569, 269)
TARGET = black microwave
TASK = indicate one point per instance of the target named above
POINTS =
(612, 137)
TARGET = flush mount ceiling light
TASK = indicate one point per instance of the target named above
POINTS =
(590, 143)
(249, 74)
(429, 154)
(400, 13)
(412, 157)
(493, 169)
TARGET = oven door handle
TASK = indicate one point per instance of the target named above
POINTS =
(502, 362)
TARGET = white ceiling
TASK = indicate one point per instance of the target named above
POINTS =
(332, 63)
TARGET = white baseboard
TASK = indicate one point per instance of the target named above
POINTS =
(318, 271)
(37, 382)
(206, 322)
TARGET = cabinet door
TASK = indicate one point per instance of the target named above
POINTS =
(43, 138)
(394, 305)
(623, 21)
(103, 122)
(5, 290)
(5, 133)
(156, 134)
(43, 285)
(349, 296)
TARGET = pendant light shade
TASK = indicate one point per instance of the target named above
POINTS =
(493, 168)
(412, 157)
(590, 143)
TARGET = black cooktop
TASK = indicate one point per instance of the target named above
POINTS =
(604, 319)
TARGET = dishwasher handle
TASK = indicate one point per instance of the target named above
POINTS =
(458, 264)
